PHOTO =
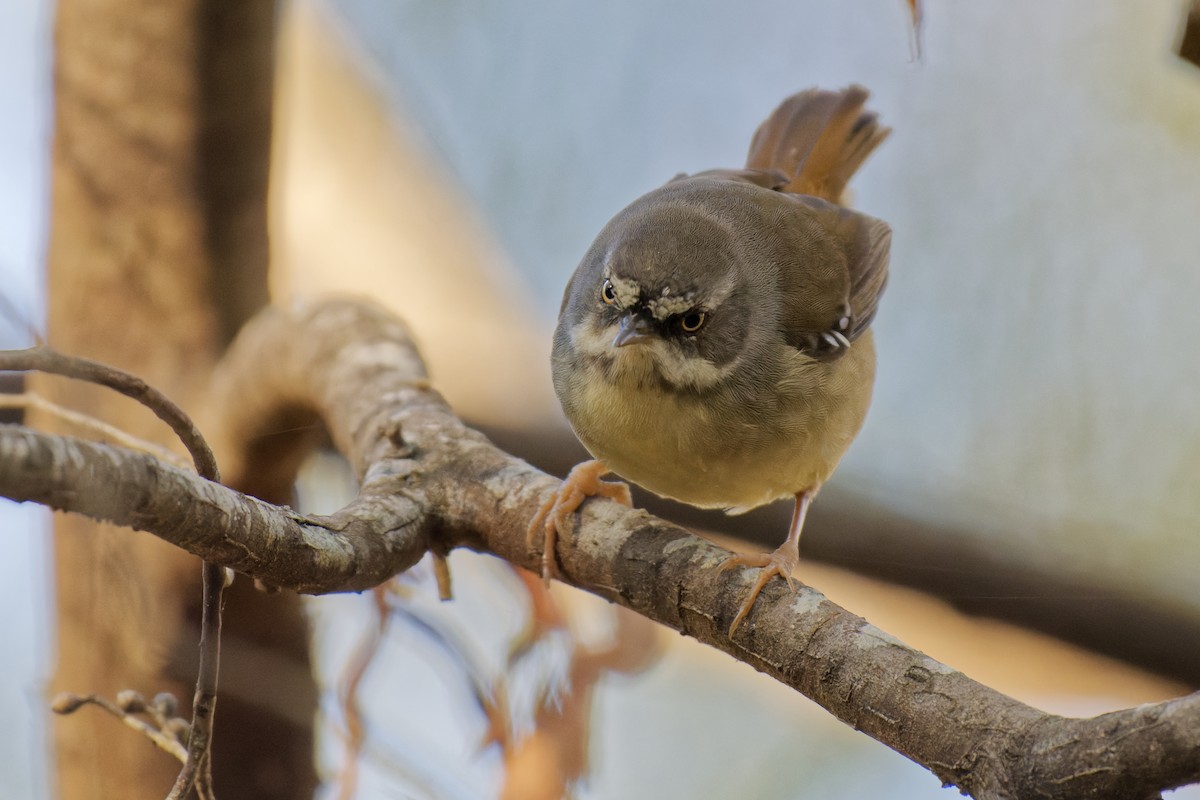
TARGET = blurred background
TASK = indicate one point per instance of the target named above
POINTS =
(1033, 449)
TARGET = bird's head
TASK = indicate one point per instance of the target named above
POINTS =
(658, 299)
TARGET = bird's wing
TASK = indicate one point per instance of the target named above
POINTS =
(817, 140)
(831, 294)
(867, 243)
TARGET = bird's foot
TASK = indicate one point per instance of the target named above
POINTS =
(556, 516)
(781, 562)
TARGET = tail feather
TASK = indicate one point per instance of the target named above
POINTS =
(818, 139)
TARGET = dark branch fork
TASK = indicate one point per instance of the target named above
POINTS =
(428, 481)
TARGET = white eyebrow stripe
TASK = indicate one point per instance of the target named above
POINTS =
(627, 291)
(664, 307)
(670, 304)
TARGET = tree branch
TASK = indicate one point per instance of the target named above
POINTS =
(356, 549)
(428, 480)
(195, 772)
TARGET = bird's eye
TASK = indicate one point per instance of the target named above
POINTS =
(607, 293)
(692, 321)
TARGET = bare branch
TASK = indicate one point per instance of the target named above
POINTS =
(204, 704)
(197, 769)
(358, 548)
(429, 480)
(89, 424)
(45, 359)
(350, 700)
(163, 734)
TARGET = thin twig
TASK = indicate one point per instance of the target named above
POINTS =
(90, 424)
(45, 359)
(70, 703)
(197, 770)
(356, 671)
(441, 572)
(916, 13)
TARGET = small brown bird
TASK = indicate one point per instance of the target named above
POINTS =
(713, 346)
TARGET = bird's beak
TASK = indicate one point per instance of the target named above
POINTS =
(633, 328)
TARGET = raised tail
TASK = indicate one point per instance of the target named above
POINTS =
(818, 139)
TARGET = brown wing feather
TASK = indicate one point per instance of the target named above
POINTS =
(819, 139)
(868, 260)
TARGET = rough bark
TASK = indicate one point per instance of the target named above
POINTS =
(428, 481)
(157, 253)
(857, 534)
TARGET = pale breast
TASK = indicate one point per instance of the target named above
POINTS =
(722, 450)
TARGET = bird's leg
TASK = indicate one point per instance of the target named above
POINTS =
(782, 562)
(556, 514)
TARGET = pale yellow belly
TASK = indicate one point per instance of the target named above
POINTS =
(738, 456)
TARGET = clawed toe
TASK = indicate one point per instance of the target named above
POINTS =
(557, 515)
(782, 562)
(553, 516)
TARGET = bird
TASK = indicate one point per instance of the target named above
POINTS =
(714, 345)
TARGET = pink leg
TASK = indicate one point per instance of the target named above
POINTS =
(782, 562)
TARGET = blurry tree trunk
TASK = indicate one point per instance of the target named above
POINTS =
(158, 252)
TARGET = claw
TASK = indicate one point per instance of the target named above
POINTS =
(557, 515)
(782, 562)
